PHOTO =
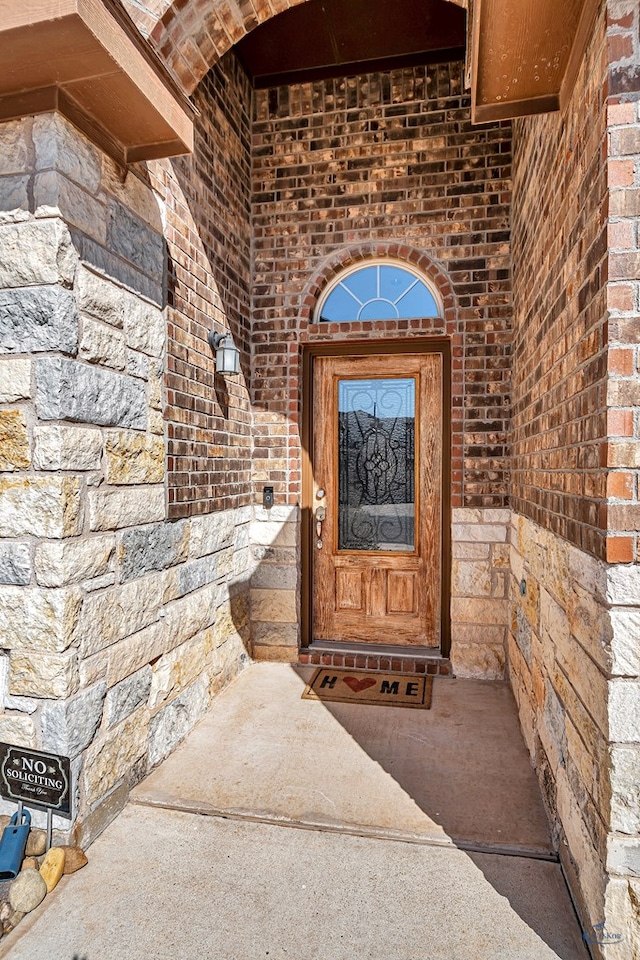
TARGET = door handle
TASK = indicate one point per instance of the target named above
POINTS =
(321, 513)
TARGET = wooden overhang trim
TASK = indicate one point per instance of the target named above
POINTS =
(525, 55)
(86, 60)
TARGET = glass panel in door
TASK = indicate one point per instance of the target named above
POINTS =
(376, 464)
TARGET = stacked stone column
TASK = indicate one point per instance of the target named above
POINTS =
(116, 626)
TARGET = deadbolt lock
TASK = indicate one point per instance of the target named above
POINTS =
(321, 513)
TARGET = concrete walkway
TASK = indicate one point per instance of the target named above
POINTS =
(285, 828)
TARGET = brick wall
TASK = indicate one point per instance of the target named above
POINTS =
(623, 289)
(559, 339)
(384, 164)
(208, 241)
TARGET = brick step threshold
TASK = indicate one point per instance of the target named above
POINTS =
(389, 660)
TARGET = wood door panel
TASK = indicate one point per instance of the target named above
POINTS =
(376, 588)
(349, 590)
(401, 592)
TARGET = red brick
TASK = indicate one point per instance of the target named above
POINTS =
(621, 234)
(620, 485)
(620, 423)
(620, 550)
(561, 329)
(624, 516)
(209, 447)
(620, 113)
(621, 361)
(619, 47)
(624, 266)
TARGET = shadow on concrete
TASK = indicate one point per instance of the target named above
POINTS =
(456, 777)
(465, 765)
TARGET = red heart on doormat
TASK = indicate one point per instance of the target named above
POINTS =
(358, 685)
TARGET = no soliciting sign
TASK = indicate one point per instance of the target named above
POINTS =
(38, 779)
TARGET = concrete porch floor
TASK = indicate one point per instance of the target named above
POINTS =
(288, 828)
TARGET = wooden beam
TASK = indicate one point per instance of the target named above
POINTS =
(510, 109)
(525, 55)
(28, 102)
(91, 127)
(156, 151)
(85, 59)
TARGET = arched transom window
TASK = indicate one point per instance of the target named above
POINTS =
(377, 291)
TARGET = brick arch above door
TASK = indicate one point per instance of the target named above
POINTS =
(400, 253)
(192, 35)
(447, 325)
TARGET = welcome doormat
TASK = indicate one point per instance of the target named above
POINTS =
(374, 689)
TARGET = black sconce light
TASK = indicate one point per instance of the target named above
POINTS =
(227, 354)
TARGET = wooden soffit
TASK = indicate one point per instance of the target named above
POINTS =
(85, 59)
(525, 54)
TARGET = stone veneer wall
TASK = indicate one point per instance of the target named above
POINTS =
(574, 643)
(479, 588)
(479, 592)
(116, 626)
(574, 662)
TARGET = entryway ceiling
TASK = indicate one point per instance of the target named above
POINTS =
(522, 57)
(327, 37)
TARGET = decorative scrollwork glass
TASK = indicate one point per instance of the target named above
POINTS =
(379, 291)
(376, 464)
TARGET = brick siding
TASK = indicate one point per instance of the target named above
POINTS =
(208, 240)
(559, 340)
(623, 289)
(383, 164)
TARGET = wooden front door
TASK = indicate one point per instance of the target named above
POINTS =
(377, 498)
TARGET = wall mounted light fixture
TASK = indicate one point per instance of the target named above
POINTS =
(227, 354)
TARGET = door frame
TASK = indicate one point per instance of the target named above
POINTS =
(364, 348)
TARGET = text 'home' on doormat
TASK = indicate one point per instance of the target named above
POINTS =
(374, 689)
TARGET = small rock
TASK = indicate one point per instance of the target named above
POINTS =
(52, 867)
(30, 863)
(12, 921)
(74, 859)
(36, 843)
(27, 891)
(5, 910)
(4, 822)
